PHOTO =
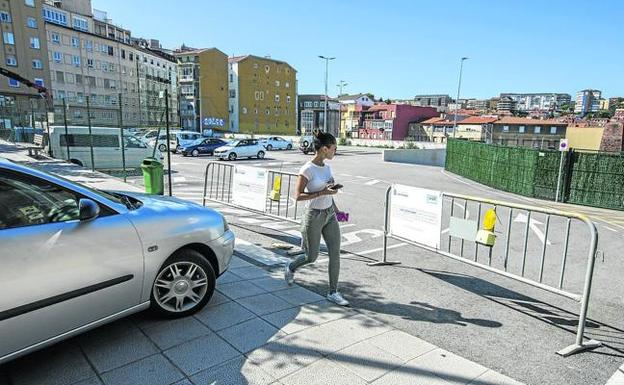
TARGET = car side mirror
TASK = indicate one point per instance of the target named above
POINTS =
(88, 209)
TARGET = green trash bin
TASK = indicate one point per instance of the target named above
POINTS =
(153, 176)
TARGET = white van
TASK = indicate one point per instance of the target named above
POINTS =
(106, 147)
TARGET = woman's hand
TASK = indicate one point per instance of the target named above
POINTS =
(328, 190)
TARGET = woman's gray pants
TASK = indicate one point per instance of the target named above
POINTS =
(314, 224)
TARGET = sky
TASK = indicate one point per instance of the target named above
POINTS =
(397, 49)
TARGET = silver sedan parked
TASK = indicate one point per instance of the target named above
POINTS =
(73, 258)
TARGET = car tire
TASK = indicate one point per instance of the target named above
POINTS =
(289, 147)
(195, 153)
(269, 147)
(260, 154)
(232, 156)
(172, 295)
(305, 143)
(162, 147)
(76, 162)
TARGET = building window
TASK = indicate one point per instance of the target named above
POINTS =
(288, 99)
(553, 130)
(30, 3)
(232, 93)
(505, 128)
(244, 109)
(13, 83)
(537, 129)
(37, 64)
(307, 104)
(31, 22)
(5, 17)
(54, 16)
(8, 38)
(316, 104)
(76, 60)
(58, 57)
(56, 38)
(39, 82)
(60, 76)
(231, 78)
(277, 98)
(75, 42)
(81, 24)
(277, 83)
(521, 129)
(268, 111)
(11, 61)
(287, 85)
(90, 63)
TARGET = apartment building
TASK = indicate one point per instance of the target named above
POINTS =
(587, 101)
(546, 101)
(203, 75)
(24, 51)
(262, 96)
(92, 63)
(391, 121)
(534, 133)
(311, 115)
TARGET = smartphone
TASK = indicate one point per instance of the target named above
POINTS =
(336, 187)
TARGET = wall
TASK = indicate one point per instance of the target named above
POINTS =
(427, 157)
(587, 138)
(406, 114)
(213, 93)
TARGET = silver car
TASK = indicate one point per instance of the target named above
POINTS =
(73, 258)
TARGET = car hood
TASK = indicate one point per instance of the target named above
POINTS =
(224, 148)
(162, 217)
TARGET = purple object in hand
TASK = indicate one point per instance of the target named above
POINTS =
(342, 216)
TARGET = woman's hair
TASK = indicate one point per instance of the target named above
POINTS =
(323, 139)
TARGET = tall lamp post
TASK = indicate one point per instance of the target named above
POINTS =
(461, 68)
(340, 85)
(327, 59)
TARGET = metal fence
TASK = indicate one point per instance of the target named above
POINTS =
(280, 202)
(549, 249)
(99, 132)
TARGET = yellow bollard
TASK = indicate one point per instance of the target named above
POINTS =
(486, 235)
(277, 186)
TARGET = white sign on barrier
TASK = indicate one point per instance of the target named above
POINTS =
(250, 187)
(416, 214)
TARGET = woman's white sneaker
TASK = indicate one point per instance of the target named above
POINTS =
(338, 299)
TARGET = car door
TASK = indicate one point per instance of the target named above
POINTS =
(204, 147)
(59, 273)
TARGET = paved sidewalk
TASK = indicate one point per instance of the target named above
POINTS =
(255, 330)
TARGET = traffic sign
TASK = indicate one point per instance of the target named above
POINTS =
(563, 144)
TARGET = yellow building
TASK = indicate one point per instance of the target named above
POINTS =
(262, 96)
(203, 79)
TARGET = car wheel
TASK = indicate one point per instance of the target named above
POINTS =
(162, 147)
(289, 147)
(195, 153)
(305, 152)
(260, 154)
(76, 162)
(269, 147)
(184, 284)
(305, 143)
(232, 156)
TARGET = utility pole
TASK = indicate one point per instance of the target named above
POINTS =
(327, 59)
(340, 85)
(167, 130)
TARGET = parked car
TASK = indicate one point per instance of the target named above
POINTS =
(242, 148)
(276, 143)
(306, 146)
(106, 142)
(74, 258)
(185, 138)
(202, 146)
(306, 141)
(161, 143)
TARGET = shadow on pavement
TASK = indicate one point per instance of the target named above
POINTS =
(609, 335)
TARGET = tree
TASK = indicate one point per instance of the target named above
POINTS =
(388, 101)
(602, 114)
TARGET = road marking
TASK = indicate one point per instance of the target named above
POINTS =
(353, 237)
(610, 229)
(361, 177)
(372, 182)
(279, 225)
(177, 179)
(533, 225)
(371, 251)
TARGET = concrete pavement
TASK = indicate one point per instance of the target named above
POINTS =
(256, 330)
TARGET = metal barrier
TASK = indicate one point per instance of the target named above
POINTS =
(280, 202)
(556, 271)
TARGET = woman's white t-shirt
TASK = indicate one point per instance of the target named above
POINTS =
(318, 178)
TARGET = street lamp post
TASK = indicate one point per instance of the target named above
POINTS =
(340, 85)
(327, 59)
(461, 68)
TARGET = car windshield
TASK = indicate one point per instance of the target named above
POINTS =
(234, 143)
(198, 141)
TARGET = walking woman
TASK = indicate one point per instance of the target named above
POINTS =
(315, 184)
